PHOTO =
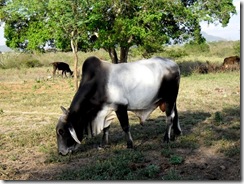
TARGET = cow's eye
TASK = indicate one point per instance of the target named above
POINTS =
(61, 132)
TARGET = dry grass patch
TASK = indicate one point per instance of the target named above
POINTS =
(209, 113)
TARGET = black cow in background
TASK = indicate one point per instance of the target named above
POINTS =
(64, 67)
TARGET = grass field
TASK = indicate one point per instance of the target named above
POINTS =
(209, 149)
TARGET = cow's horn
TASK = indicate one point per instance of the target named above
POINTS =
(65, 111)
(73, 134)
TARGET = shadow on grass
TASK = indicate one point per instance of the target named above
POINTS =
(117, 162)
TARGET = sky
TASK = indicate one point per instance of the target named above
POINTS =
(231, 32)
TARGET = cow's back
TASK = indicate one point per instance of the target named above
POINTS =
(137, 84)
(63, 66)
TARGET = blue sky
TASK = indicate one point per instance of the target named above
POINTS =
(231, 32)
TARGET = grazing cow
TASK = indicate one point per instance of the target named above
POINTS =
(231, 61)
(64, 67)
(106, 88)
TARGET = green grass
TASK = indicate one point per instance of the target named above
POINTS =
(172, 174)
(124, 165)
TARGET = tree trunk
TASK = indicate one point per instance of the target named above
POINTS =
(74, 46)
(113, 55)
(124, 54)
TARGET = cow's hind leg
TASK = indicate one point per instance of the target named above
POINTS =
(176, 124)
(63, 72)
(124, 122)
(54, 71)
(172, 121)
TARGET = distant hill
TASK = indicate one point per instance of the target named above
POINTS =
(211, 38)
(4, 48)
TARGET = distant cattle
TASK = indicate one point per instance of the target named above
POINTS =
(230, 62)
(106, 88)
(64, 67)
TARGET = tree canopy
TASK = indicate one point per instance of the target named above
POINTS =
(113, 25)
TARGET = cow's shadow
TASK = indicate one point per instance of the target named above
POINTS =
(153, 128)
(145, 137)
(156, 127)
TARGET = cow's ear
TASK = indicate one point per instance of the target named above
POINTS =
(65, 111)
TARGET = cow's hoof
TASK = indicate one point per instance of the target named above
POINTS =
(177, 132)
(130, 145)
(103, 146)
(172, 137)
(166, 138)
(100, 147)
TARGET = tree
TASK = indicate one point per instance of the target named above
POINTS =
(30, 26)
(118, 25)
(24, 27)
(152, 24)
(67, 20)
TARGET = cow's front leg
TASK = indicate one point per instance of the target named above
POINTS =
(124, 122)
(105, 136)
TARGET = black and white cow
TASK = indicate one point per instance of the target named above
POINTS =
(106, 88)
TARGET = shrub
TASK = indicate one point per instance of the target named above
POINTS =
(32, 63)
(176, 53)
(197, 48)
(176, 160)
(237, 48)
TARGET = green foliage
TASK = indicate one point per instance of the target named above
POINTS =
(212, 11)
(197, 48)
(118, 24)
(224, 49)
(176, 160)
(218, 117)
(176, 53)
(32, 63)
(237, 48)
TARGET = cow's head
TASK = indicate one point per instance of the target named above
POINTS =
(67, 140)
(69, 137)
